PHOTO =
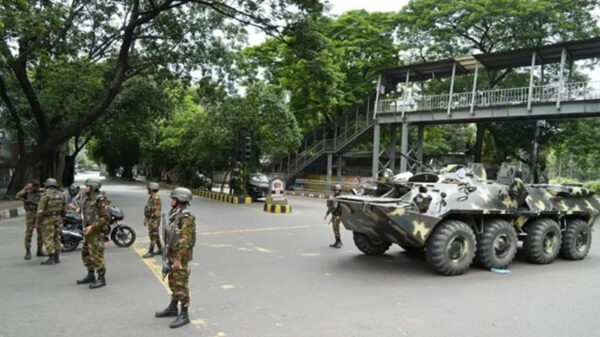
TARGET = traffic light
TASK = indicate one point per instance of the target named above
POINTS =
(244, 150)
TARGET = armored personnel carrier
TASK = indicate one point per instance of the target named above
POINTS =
(457, 217)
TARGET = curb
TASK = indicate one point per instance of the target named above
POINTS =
(276, 208)
(11, 213)
(215, 196)
(308, 194)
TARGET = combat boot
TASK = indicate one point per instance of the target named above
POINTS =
(27, 254)
(40, 251)
(56, 259)
(150, 252)
(89, 278)
(170, 311)
(336, 244)
(159, 250)
(50, 260)
(100, 282)
(181, 320)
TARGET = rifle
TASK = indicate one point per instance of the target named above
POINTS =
(165, 260)
(28, 201)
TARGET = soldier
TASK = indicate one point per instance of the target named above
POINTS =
(30, 195)
(179, 243)
(95, 213)
(333, 208)
(50, 213)
(152, 219)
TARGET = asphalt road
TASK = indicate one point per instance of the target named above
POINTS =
(262, 274)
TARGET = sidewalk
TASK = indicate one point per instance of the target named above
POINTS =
(11, 209)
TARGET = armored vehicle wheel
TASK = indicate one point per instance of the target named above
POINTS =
(577, 239)
(497, 244)
(451, 247)
(542, 243)
(368, 246)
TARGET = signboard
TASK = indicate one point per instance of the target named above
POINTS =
(277, 190)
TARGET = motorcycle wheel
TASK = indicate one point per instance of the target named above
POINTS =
(69, 245)
(123, 236)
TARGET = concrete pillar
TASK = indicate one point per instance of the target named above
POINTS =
(329, 170)
(340, 165)
(392, 150)
(375, 166)
(420, 139)
(404, 148)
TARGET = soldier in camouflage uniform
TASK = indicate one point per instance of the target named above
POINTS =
(180, 242)
(50, 212)
(152, 219)
(30, 195)
(95, 214)
(333, 208)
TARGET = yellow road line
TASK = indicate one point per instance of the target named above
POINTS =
(156, 268)
(264, 229)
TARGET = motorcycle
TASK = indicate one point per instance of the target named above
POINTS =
(72, 230)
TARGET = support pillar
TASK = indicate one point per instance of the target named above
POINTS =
(375, 166)
(404, 148)
(340, 165)
(533, 57)
(563, 58)
(329, 170)
(420, 139)
(451, 89)
(392, 150)
(473, 98)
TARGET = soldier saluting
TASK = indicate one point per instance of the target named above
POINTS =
(179, 244)
(152, 219)
(333, 208)
(50, 213)
(95, 214)
(30, 195)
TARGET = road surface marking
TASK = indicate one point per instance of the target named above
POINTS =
(227, 286)
(264, 229)
(156, 268)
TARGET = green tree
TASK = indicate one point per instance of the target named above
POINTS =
(105, 44)
(329, 64)
(434, 29)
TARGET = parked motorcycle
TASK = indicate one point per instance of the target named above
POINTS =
(72, 230)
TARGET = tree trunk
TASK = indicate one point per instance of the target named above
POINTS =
(68, 175)
(23, 172)
(478, 149)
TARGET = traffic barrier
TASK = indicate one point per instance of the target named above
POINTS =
(215, 195)
(277, 208)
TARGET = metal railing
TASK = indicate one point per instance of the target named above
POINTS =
(577, 91)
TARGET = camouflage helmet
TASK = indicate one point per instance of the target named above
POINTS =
(337, 188)
(74, 189)
(51, 182)
(34, 182)
(153, 186)
(93, 183)
(182, 194)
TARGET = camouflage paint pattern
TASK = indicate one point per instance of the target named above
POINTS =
(95, 208)
(182, 234)
(50, 212)
(29, 227)
(466, 195)
(152, 212)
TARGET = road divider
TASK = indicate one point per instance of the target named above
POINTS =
(218, 196)
(277, 208)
